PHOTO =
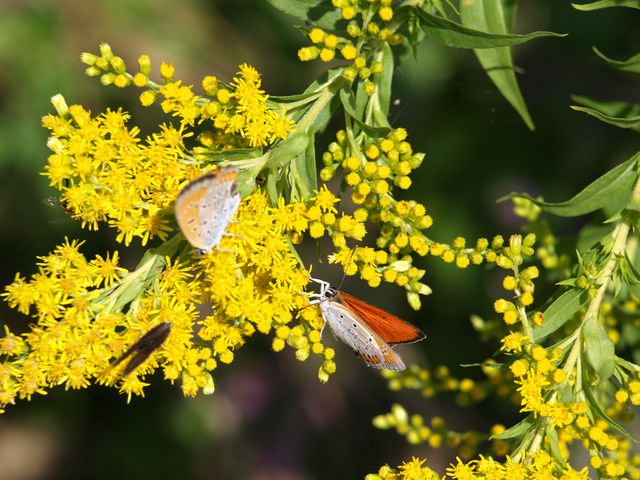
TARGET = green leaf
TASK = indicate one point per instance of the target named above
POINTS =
(598, 348)
(232, 155)
(509, 8)
(632, 64)
(590, 235)
(554, 445)
(517, 430)
(384, 80)
(453, 34)
(488, 15)
(562, 309)
(597, 408)
(587, 7)
(416, 34)
(320, 12)
(303, 168)
(290, 98)
(272, 186)
(620, 114)
(347, 103)
(632, 368)
(285, 151)
(613, 188)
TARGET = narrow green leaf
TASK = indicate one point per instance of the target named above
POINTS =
(384, 80)
(597, 408)
(517, 430)
(360, 102)
(347, 103)
(630, 271)
(285, 151)
(598, 348)
(509, 8)
(305, 170)
(612, 188)
(590, 235)
(320, 12)
(488, 15)
(560, 311)
(554, 445)
(234, 154)
(631, 64)
(290, 98)
(620, 114)
(588, 7)
(272, 186)
(453, 34)
(416, 34)
(627, 365)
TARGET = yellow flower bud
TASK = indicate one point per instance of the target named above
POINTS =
(140, 80)
(147, 98)
(348, 13)
(402, 182)
(386, 13)
(307, 54)
(327, 54)
(462, 260)
(316, 230)
(316, 35)
(353, 178)
(167, 71)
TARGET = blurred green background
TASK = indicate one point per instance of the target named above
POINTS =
(270, 418)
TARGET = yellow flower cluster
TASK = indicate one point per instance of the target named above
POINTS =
(363, 66)
(463, 256)
(437, 433)
(530, 467)
(238, 113)
(106, 173)
(372, 171)
(325, 44)
(359, 69)
(432, 382)
(90, 311)
(412, 470)
(372, 174)
(322, 217)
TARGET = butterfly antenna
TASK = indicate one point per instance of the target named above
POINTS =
(344, 275)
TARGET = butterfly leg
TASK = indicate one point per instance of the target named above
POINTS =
(324, 286)
(234, 235)
(226, 250)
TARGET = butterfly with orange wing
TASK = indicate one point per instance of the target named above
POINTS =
(368, 330)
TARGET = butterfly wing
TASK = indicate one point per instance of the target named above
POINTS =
(205, 207)
(218, 208)
(391, 329)
(366, 343)
(148, 343)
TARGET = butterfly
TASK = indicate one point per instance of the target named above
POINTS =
(368, 330)
(205, 206)
(140, 351)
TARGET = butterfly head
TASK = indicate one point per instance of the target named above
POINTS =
(329, 293)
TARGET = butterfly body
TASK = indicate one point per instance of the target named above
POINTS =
(368, 330)
(144, 347)
(205, 207)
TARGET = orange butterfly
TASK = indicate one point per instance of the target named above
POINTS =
(368, 330)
